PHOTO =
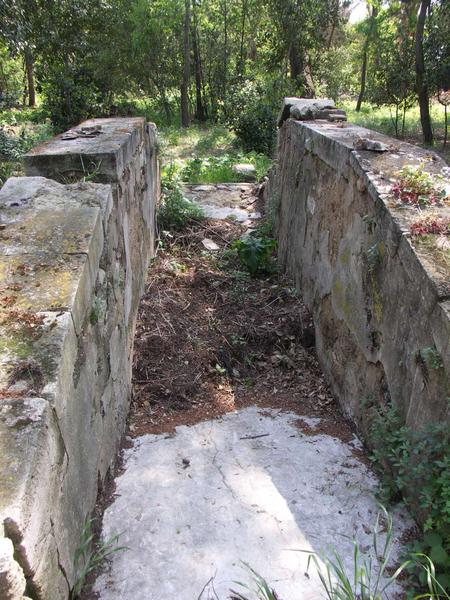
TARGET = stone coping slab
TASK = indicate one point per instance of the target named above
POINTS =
(50, 246)
(102, 158)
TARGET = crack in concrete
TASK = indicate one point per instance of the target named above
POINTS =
(252, 508)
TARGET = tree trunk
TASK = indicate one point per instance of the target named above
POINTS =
(295, 63)
(200, 111)
(241, 68)
(186, 66)
(445, 126)
(225, 49)
(368, 39)
(421, 80)
(29, 68)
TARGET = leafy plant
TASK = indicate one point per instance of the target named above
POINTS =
(176, 211)
(431, 225)
(255, 253)
(255, 127)
(369, 578)
(431, 357)
(416, 465)
(417, 187)
(373, 257)
(89, 556)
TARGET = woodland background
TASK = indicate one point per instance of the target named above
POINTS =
(226, 61)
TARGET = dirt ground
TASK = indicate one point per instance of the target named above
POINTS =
(210, 339)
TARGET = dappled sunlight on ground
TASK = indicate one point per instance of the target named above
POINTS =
(249, 486)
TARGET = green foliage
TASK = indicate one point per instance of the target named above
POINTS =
(382, 118)
(255, 253)
(373, 257)
(7, 169)
(10, 79)
(18, 135)
(416, 465)
(431, 357)
(260, 591)
(219, 169)
(370, 576)
(416, 187)
(256, 128)
(71, 96)
(89, 556)
(251, 113)
(176, 211)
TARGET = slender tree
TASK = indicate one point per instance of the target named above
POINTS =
(185, 118)
(367, 42)
(421, 79)
(200, 109)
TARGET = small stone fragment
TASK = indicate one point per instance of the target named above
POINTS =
(372, 145)
(210, 245)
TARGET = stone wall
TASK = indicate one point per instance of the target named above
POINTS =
(380, 301)
(74, 256)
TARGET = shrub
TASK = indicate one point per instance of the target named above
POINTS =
(255, 128)
(176, 211)
(255, 253)
(416, 465)
(70, 96)
(251, 113)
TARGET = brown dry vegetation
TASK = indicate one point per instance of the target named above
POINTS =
(211, 339)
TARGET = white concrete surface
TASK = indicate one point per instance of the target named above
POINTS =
(193, 505)
(223, 200)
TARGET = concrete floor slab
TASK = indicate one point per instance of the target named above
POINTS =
(250, 486)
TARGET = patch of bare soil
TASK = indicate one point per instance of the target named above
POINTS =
(211, 339)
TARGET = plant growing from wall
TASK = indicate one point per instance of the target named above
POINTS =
(431, 226)
(416, 187)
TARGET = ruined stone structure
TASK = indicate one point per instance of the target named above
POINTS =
(381, 306)
(74, 255)
(73, 266)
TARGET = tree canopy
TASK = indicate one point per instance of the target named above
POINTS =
(220, 59)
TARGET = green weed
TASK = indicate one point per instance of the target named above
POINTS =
(260, 591)
(415, 465)
(176, 211)
(255, 253)
(431, 358)
(382, 118)
(89, 556)
(219, 169)
(369, 578)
